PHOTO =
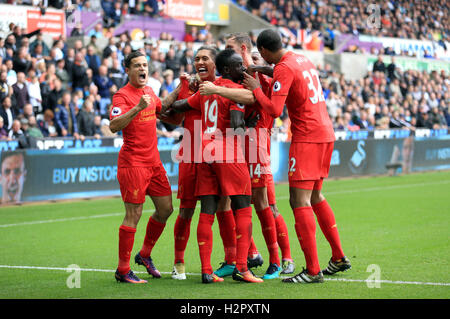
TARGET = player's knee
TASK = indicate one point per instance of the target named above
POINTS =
(224, 204)
(163, 213)
(209, 204)
(259, 199)
(240, 201)
(187, 213)
(296, 202)
(317, 197)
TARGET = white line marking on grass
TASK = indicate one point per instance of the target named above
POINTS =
(70, 219)
(197, 274)
(351, 191)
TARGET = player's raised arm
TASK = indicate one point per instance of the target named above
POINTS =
(180, 106)
(118, 123)
(274, 106)
(262, 69)
(241, 96)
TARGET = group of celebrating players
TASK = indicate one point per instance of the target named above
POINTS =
(224, 161)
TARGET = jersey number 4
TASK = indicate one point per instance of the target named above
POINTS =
(317, 90)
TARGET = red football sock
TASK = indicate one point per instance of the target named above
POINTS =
(154, 230)
(126, 241)
(205, 241)
(227, 227)
(283, 238)
(243, 236)
(270, 234)
(327, 223)
(305, 227)
(181, 233)
(252, 250)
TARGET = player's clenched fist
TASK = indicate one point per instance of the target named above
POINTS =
(144, 101)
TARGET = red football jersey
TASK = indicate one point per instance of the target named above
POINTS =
(265, 122)
(188, 124)
(296, 83)
(215, 112)
(140, 142)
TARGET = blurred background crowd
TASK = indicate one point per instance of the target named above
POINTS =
(61, 90)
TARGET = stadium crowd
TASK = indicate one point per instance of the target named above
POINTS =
(422, 20)
(61, 90)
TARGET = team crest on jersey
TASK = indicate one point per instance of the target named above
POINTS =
(276, 86)
(116, 111)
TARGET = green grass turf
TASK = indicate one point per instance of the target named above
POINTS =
(399, 223)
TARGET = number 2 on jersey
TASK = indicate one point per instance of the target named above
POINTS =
(317, 91)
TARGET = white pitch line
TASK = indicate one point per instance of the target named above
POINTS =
(350, 191)
(70, 219)
(68, 269)
(371, 189)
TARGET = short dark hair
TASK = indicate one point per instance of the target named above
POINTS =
(131, 56)
(223, 59)
(269, 39)
(241, 38)
(212, 49)
(7, 154)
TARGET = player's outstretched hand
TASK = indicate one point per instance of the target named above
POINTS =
(250, 82)
(144, 102)
(207, 88)
(251, 69)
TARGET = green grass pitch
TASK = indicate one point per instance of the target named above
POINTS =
(399, 225)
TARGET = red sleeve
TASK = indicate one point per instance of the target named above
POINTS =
(119, 106)
(237, 107)
(265, 83)
(282, 80)
(184, 90)
(194, 101)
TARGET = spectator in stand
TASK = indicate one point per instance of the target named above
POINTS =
(54, 98)
(192, 35)
(97, 31)
(115, 73)
(77, 31)
(3, 131)
(16, 131)
(169, 83)
(5, 89)
(20, 93)
(116, 13)
(92, 59)
(45, 50)
(11, 77)
(104, 84)
(47, 125)
(22, 61)
(172, 63)
(27, 111)
(155, 82)
(65, 117)
(86, 119)
(79, 75)
(62, 74)
(33, 129)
